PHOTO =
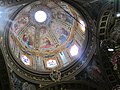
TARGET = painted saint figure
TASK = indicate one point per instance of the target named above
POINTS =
(63, 34)
(27, 40)
(46, 43)
(19, 23)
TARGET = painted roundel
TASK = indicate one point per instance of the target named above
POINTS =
(47, 35)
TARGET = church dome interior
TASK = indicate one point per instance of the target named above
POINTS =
(44, 36)
(59, 44)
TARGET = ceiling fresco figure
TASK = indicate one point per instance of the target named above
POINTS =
(46, 43)
(28, 40)
(63, 34)
(20, 22)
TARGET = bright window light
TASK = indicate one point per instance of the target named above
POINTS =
(110, 49)
(40, 16)
(25, 60)
(51, 63)
(82, 25)
(74, 50)
(0, 13)
(118, 14)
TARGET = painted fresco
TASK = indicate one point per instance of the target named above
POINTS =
(20, 22)
(28, 37)
(45, 40)
(46, 43)
(60, 32)
(45, 46)
(64, 16)
(51, 5)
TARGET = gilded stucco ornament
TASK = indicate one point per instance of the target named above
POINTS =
(55, 76)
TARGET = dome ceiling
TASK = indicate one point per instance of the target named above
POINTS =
(44, 35)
